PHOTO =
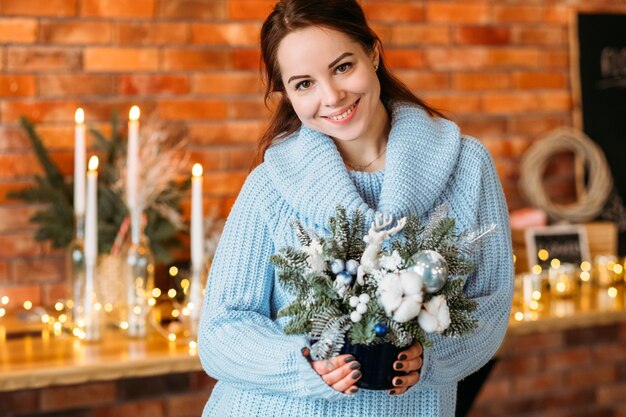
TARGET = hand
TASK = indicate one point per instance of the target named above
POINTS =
(341, 373)
(409, 361)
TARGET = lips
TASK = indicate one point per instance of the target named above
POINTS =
(345, 114)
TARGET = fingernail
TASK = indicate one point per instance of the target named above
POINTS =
(349, 359)
(355, 365)
(392, 392)
(354, 390)
(398, 382)
(356, 374)
(402, 357)
(399, 365)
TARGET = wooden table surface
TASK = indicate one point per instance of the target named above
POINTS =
(38, 359)
(35, 361)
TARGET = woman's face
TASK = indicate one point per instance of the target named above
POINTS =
(331, 83)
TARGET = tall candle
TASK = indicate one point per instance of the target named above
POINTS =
(91, 216)
(79, 163)
(197, 229)
(132, 158)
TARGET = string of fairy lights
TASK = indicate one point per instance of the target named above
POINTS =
(57, 321)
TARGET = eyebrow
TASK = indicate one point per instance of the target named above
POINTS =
(332, 64)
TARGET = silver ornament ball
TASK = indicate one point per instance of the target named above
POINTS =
(433, 269)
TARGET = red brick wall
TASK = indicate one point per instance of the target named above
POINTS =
(499, 68)
(569, 373)
(174, 395)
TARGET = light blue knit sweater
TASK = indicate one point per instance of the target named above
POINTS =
(261, 371)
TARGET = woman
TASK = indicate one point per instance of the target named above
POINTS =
(345, 132)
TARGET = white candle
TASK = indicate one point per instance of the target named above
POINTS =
(91, 216)
(132, 158)
(79, 163)
(197, 229)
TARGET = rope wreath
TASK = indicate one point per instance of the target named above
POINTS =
(598, 187)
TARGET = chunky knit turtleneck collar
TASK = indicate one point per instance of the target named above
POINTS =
(308, 171)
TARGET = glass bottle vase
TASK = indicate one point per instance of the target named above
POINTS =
(75, 269)
(139, 280)
(194, 296)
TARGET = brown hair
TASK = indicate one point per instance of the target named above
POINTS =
(344, 16)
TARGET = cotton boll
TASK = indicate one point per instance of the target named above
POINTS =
(390, 302)
(409, 308)
(435, 317)
(412, 283)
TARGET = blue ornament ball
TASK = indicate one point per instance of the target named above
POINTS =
(337, 266)
(352, 266)
(433, 269)
(380, 329)
(344, 277)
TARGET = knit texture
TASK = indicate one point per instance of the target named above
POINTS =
(261, 371)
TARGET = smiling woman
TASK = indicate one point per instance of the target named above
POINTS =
(345, 133)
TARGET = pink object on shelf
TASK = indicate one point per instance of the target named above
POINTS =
(528, 217)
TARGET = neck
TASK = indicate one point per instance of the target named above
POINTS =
(367, 153)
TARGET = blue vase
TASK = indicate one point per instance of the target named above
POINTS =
(376, 364)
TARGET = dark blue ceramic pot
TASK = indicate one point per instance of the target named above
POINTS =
(376, 364)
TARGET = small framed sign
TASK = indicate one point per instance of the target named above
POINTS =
(567, 243)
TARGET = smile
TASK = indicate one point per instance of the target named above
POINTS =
(345, 114)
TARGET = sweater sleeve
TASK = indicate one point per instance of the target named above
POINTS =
(491, 284)
(238, 341)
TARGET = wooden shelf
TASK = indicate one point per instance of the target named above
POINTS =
(40, 360)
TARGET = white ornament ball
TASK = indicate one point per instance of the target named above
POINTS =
(354, 301)
(361, 308)
(433, 269)
(364, 298)
(352, 266)
(355, 316)
(337, 266)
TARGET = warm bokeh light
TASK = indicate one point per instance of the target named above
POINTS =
(171, 293)
(585, 276)
(543, 254)
(156, 293)
(555, 263)
(537, 269)
(4, 300)
(58, 306)
(173, 271)
(28, 305)
(612, 292)
(134, 113)
(585, 266)
(93, 163)
(519, 316)
(196, 171)
(79, 116)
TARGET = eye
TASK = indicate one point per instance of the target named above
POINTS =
(303, 85)
(343, 67)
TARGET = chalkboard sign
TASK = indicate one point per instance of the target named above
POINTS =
(599, 81)
(568, 244)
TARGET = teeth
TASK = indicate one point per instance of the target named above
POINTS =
(343, 115)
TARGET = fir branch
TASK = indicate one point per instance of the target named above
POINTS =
(303, 236)
(328, 332)
(355, 244)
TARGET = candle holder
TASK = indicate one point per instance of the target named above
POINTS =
(75, 268)
(562, 279)
(139, 279)
(531, 294)
(88, 321)
(604, 270)
(194, 295)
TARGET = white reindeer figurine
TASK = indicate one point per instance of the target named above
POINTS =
(374, 239)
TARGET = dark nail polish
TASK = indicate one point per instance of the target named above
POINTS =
(355, 365)
(354, 390)
(349, 359)
(356, 374)
(398, 382)
(392, 392)
(399, 365)
(402, 357)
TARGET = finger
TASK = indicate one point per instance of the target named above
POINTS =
(324, 366)
(352, 390)
(413, 352)
(348, 382)
(306, 352)
(409, 365)
(405, 381)
(333, 377)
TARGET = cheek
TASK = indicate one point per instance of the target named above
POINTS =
(304, 106)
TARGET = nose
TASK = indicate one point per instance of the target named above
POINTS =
(333, 94)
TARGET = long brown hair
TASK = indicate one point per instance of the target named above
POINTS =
(344, 16)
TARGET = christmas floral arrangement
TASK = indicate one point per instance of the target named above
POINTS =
(393, 285)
